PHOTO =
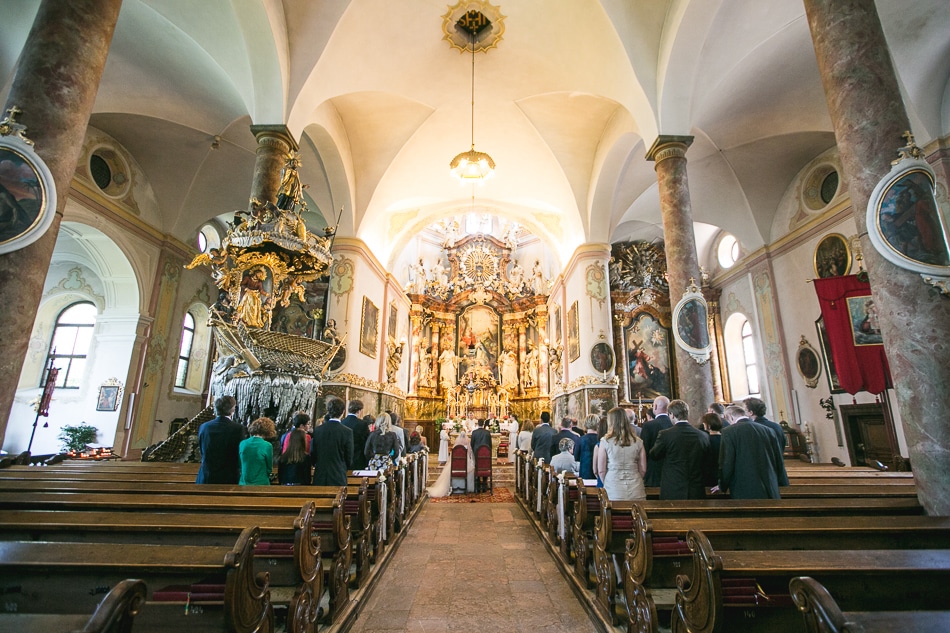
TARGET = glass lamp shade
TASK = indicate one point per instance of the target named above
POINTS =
(472, 166)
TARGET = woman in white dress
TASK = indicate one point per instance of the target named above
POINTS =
(445, 485)
(512, 437)
(443, 445)
(622, 462)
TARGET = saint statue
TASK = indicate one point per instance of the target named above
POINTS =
(288, 194)
(538, 286)
(529, 377)
(516, 279)
(509, 369)
(439, 276)
(393, 360)
(448, 368)
(330, 334)
(419, 281)
(555, 361)
(425, 368)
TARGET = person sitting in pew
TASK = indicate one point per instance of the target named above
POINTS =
(564, 460)
(750, 462)
(257, 453)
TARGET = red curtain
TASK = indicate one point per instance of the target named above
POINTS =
(860, 367)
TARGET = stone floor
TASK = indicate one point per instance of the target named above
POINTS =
(472, 568)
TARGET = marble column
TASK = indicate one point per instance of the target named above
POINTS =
(682, 263)
(274, 144)
(55, 88)
(868, 116)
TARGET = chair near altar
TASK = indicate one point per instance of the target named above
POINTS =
(459, 467)
(483, 475)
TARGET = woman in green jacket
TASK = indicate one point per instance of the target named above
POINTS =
(257, 453)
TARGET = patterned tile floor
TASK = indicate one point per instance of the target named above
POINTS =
(472, 568)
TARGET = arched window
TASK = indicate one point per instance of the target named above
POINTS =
(184, 351)
(748, 354)
(70, 343)
(728, 251)
(741, 361)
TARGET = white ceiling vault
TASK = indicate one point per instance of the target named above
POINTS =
(566, 104)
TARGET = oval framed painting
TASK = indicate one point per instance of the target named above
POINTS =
(602, 357)
(691, 325)
(27, 194)
(832, 256)
(808, 363)
(905, 222)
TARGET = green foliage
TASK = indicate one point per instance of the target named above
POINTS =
(75, 438)
(438, 424)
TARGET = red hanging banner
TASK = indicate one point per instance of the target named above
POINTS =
(853, 334)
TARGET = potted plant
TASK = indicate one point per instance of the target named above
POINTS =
(75, 438)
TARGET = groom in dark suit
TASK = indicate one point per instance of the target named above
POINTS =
(649, 433)
(683, 449)
(218, 440)
(481, 437)
(354, 422)
(332, 447)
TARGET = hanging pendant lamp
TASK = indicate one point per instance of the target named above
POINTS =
(472, 166)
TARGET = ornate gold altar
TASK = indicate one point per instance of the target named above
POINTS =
(479, 340)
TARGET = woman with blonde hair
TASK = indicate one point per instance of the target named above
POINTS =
(257, 453)
(382, 445)
(621, 463)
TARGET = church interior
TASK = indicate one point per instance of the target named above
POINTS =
(651, 189)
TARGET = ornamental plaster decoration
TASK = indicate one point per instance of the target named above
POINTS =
(75, 282)
(488, 36)
(341, 277)
(733, 305)
(596, 284)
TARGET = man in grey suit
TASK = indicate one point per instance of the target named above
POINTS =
(750, 463)
(683, 448)
(650, 431)
(332, 447)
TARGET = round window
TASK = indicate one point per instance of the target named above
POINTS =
(728, 251)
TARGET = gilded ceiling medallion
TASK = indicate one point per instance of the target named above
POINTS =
(490, 27)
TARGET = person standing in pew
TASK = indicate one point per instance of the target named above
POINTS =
(293, 467)
(332, 447)
(621, 462)
(750, 463)
(683, 449)
(382, 445)
(360, 429)
(219, 440)
(712, 424)
(257, 453)
(756, 409)
(650, 431)
(719, 409)
(542, 439)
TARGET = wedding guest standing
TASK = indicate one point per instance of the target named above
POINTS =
(622, 462)
(360, 428)
(257, 453)
(332, 447)
(382, 446)
(683, 449)
(218, 440)
(524, 436)
(584, 449)
(293, 466)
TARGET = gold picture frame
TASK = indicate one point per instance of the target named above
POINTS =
(369, 328)
(573, 334)
(832, 256)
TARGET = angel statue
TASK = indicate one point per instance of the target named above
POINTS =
(393, 360)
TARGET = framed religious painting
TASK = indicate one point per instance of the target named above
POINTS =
(27, 190)
(393, 320)
(832, 256)
(369, 328)
(691, 325)
(602, 358)
(647, 357)
(573, 334)
(829, 363)
(108, 399)
(863, 317)
(808, 363)
(905, 222)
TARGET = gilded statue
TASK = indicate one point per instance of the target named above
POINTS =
(252, 308)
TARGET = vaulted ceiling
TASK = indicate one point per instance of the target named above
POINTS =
(566, 103)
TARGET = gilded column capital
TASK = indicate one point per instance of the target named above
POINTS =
(278, 136)
(668, 146)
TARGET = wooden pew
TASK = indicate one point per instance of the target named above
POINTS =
(114, 614)
(822, 614)
(748, 590)
(219, 585)
(329, 520)
(299, 567)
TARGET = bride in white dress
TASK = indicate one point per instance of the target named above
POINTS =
(445, 484)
